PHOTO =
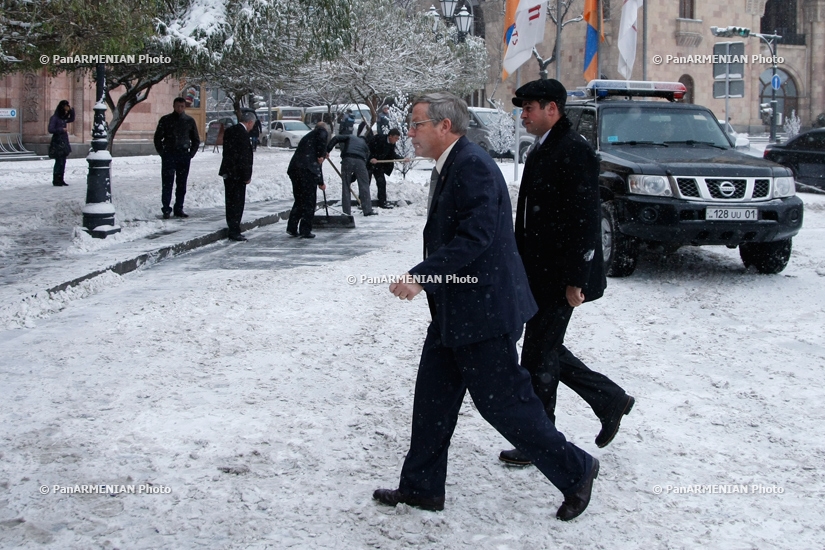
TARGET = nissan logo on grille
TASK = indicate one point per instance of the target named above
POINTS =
(727, 188)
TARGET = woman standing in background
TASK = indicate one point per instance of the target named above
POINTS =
(59, 147)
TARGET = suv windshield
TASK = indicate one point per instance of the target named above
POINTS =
(630, 125)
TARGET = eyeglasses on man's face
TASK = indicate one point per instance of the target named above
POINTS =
(415, 125)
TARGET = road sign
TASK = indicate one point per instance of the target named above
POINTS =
(8, 113)
(729, 70)
(775, 82)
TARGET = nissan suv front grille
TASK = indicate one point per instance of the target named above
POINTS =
(723, 189)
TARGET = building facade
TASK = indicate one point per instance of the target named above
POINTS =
(679, 32)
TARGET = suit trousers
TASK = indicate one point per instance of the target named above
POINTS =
(548, 361)
(235, 201)
(502, 393)
(305, 191)
(174, 169)
(355, 167)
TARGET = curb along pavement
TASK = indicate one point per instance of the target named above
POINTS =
(52, 271)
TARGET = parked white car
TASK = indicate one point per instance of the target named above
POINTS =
(287, 133)
(740, 141)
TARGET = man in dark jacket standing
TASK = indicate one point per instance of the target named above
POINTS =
(558, 231)
(176, 141)
(382, 147)
(354, 155)
(236, 171)
(307, 177)
(479, 298)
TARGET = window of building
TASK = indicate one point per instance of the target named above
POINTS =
(686, 9)
(780, 18)
(687, 80)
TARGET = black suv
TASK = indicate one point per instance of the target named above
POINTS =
(671, 177)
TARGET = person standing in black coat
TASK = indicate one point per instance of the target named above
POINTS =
(477, 318)
(558, 231)
(176, 141)
(236, 171)
(382, 147)
(307, 177)
(59, 148)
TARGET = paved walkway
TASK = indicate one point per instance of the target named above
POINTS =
(37, 261)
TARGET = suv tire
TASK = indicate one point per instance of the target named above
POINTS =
(620, 251)
(768, 258)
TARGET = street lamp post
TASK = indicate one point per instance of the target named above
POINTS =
(99, 213)
(463, 20)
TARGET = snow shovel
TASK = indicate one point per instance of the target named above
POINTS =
(353, 193)
(332, 222)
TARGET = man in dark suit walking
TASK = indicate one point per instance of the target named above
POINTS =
(479, 299)
(558, 231)
(236, 171)
(307, 177)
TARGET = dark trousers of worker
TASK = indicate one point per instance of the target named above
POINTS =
(235, 200)
(305, 191)
(381, 183)
(355, 168)
(549, 362)
(174, 170)
(502, 393)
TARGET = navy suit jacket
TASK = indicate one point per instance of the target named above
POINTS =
(469, 233)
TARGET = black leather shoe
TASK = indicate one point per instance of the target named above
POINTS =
(308, 236)
(239, 238)
(167, 215)
(514, 457)
(576, 503)
(373, 213)
(181, 214)
(610, 425)
(386, 206)
(292, 233)
(391, 497)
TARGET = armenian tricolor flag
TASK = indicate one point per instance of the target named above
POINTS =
(593, 18)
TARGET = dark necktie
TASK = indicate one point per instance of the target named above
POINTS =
(433, 183)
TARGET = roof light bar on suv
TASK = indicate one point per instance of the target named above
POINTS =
(640, 88)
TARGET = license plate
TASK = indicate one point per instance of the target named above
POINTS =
(731, 214)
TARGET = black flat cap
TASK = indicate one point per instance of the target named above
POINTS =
(537, 90)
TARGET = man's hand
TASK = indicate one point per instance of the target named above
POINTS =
(406, 289)
(323, 187)
(373, 161)
(247, 182)
(321, 159)
(575, 297)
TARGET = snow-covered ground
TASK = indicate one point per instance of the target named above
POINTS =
(264, 406)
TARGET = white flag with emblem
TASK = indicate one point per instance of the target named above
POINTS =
(526, 31)
(627, 37)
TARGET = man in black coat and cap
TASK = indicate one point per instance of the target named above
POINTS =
(558, 233)
(307, 177)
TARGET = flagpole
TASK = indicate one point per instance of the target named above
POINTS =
(644, 40)
(516, 153)
(557, 51)
(599, 40)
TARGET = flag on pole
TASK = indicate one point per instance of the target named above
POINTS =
(593, 18)
(523, 29)
(627, 37)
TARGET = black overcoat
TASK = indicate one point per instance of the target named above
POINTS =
(558, 218)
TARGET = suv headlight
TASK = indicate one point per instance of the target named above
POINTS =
(650, 185)
(783, 187)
